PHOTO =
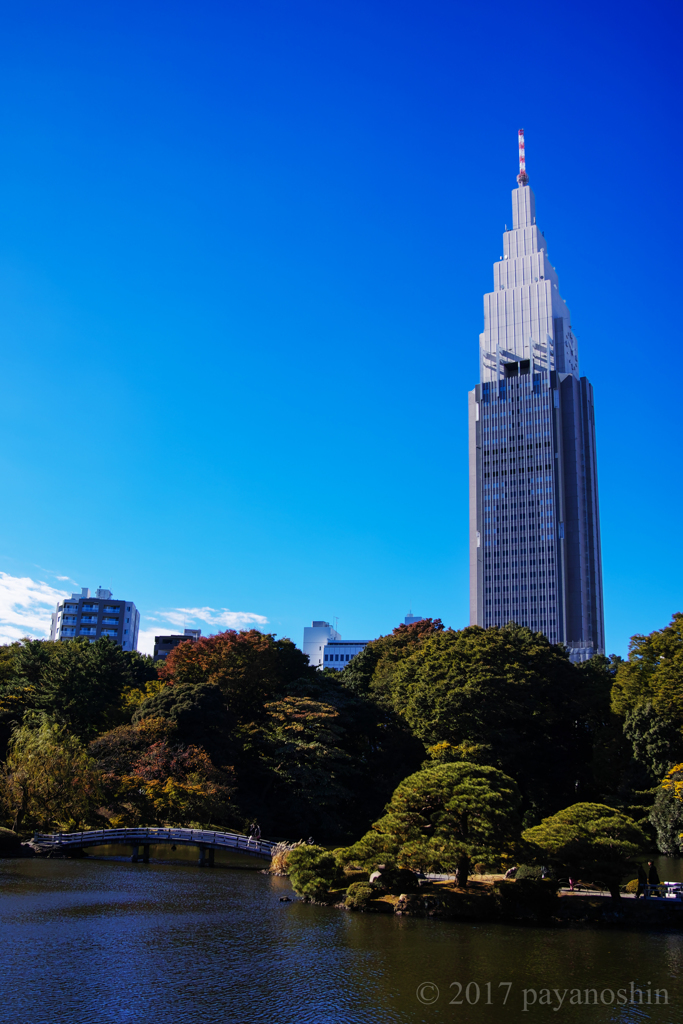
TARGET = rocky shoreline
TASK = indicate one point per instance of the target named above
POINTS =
(506, 905)
(499, 901)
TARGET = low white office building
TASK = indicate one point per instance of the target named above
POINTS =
(95, 617)
(338, 653)
(315, 637)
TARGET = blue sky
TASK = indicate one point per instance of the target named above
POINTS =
(243, 250)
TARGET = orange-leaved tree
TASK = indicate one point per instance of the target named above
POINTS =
(248, 667)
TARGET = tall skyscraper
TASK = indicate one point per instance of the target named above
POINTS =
(534, 520)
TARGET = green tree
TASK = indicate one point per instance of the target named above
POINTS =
(588, 839)
(17, 693)
(647, 704)
(445, 818)
(666, 814)
(653, 673)
(506, 697)
(49, 781)
(196, 713)
(378, 658)
(330, 758)
(79, 683)
(657, 743)
(312, 870)
(82, 684)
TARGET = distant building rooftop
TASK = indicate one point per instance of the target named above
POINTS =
(163, 645)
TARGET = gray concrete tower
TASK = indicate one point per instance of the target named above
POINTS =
(534, 520)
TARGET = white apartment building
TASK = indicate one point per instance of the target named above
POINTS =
(95, 617)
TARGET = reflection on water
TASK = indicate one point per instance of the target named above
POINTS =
(87, 941)
(179, 853)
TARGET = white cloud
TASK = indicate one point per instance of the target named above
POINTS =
(55, 574)
(214, 617)
(25, 607)
(146, 640)
(173, 620)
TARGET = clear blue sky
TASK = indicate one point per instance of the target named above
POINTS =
(243, 249)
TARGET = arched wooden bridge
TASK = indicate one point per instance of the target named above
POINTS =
(142, 838)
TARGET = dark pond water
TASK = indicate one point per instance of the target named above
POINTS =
(109, 942)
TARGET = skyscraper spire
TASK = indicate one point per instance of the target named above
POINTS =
(522, 177)
(534, 518)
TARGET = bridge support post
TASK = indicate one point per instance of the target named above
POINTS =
(145, 853)
(136, 854)
(202, 857)
(211, 857)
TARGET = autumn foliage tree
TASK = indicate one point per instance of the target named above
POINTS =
(148, 777)
(248, 667)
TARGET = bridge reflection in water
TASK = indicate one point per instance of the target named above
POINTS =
(142, 838)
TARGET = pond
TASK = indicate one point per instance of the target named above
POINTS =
(110, 941)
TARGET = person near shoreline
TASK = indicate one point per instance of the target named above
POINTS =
(652, 876)
(642, 881)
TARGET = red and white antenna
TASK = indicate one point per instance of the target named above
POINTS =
(522, 177)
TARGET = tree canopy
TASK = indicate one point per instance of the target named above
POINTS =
(589, 840)
(653, 673)
(375, 662)
(239, 727)
(505, 697)
(248, 667)
(444, 818)
(80, 683)
(309, 757)
(49, 780)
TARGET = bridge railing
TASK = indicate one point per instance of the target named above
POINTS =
(125, 836)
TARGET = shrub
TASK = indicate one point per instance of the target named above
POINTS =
(312, 871)
(530, 871)
(398, 880)
(359, 894)
(279, 856)
(10, 843)
(631, 886)
(536, 896)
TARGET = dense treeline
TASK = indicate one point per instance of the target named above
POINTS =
(232, 729)
(237, 727)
